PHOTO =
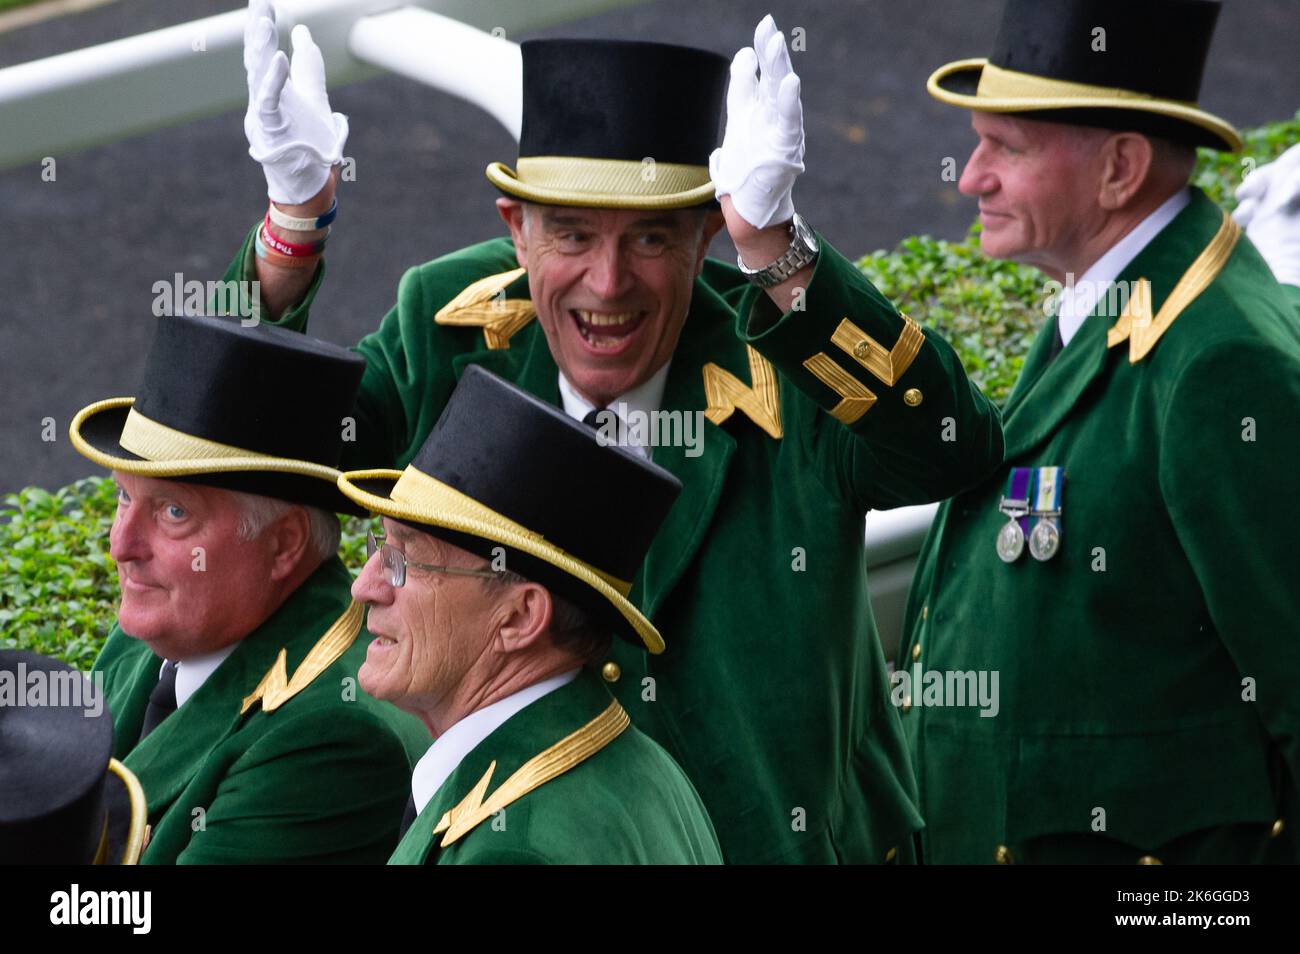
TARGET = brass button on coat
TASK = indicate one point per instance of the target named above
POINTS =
(861, 350)
(1149, 860)
(1277, 829)
(890, 855)
(916, 652)
(1002, 855)
(610, 672)
(912, 397)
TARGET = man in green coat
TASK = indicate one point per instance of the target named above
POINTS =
(788, 403)
(231, 671)
(533, 761)
(1125, 583)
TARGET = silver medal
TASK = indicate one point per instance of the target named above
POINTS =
(1044, 540)
(1011, 541)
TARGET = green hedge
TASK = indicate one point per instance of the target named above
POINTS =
(58, 587)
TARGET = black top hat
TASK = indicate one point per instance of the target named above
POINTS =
(258, 409)
(63, 798)
(1115, 64)
(616, 124)
(504, 469)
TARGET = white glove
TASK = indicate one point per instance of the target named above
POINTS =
(762, 149)
(1269, 211)
(289, 126)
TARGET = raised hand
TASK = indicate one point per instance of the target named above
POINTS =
(289, 126)
(762, 149)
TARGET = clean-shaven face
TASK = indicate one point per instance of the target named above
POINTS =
(1037, 189)
(427, 633)
(611, 288)
(179, 560)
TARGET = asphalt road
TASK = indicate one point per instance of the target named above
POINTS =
(79, 256)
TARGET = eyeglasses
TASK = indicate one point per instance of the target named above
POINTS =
(395, 562)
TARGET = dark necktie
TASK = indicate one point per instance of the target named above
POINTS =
(162, 701)
(408, 817)
(1058, 343)
(592, 419)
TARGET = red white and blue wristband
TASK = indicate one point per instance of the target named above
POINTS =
(294, 224)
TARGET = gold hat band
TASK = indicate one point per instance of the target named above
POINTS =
(172, 453)
(1010, 91)
(604, 183)
(418, 497)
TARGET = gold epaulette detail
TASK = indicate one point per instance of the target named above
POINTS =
(483, 304)
(1136, 323)
(761, 401)
(573, 749)
(889, 365)
(276, 689)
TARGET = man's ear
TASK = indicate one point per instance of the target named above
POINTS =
(525, 616)
(290, 537)
(512, 213)
(1126, 159)
(713, 223)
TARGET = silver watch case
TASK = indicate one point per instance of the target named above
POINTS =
(801, 253)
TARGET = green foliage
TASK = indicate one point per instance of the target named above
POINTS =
(990, 310)
(58, 586)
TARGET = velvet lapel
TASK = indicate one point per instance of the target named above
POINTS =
(527, 733)
(1045, 395)
(169, 758)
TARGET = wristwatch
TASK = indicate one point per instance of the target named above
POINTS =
(802, 252)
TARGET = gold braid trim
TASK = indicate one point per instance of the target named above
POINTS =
(1136, 323)
(572, 750)
(483, 304)
(275, 689)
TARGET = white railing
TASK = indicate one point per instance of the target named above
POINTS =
(167, 77)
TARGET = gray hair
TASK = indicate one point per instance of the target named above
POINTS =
(258, 513)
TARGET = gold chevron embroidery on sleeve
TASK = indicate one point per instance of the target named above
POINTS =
(572, 750)
(888, 366)
(276, 689)
(483, 304)
(856, 398)
(761, 402)
(1138, 326)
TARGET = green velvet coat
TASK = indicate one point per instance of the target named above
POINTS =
(772, 693)
(1150, 671)
(628, 803)
(324, 778)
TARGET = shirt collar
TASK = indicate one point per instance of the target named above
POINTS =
(647, 397)
(194, 672)
(1078, 300)
(450, 748)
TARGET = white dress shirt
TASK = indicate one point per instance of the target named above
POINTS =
(450, 748)
(645, 398)
(194, 672)
(1078, 300)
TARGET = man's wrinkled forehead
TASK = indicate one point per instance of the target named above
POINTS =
(1025, 131)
